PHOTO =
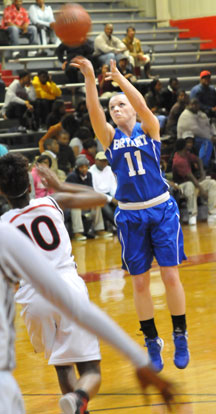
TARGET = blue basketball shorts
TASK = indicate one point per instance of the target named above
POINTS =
(148, 233)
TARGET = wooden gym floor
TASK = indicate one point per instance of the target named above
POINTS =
(99, 263)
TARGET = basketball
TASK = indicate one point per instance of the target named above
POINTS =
(72, 24)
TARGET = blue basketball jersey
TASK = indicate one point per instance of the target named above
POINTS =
(136, 162)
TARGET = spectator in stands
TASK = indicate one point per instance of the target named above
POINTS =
(66, 157)
(46, 91)
(125, 68)
(82, 176)
(51, 147)
(140, 59)
(68, 123)
(205, 93)
(42, 17)
(169, 94)
(81, 109)
(106, 89)
(89, 150)
(19, 98)
(188, 173)
(196, 121)
(104, 181)
(40, 189)
(16, 22)
(108, 46)
(81, 134)
(58, 111)
(66, 53)
(2, 89)
(155, 102)
(175, 112)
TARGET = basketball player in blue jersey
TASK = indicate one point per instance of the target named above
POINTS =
(147, 217)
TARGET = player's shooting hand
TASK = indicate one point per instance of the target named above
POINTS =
(114, 72)
(48, 177)
(147, 376)
(84, 65)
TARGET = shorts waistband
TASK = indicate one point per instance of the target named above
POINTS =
(145, 204)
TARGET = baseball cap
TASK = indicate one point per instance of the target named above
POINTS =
(187, 134)
(81, 160)
(100, 156)
(204, 73)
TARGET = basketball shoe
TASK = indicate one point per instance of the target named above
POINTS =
(182, 355)
(155, 346)
(74, 403)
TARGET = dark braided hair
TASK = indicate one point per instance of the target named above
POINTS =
(14, 179)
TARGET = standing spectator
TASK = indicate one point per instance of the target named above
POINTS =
(82, 176)
(19, 98)
(16, 22)
(58, 111)
(66, 53)
(89, 150)
(169, 94)
(42, 17)
(205, 93)
(106, 89)
(40, 189)
(196, 121)
(46, 91)
(104, 182)
(155, 102)
(108, 46)
(66, 157)
(175, 112)
(188, 173)
(134, 46)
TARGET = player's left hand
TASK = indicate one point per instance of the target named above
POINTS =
(48, 177)
(114, 72)
(147, 377)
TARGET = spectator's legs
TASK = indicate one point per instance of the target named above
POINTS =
(108, 213)
(190, 192)
(32, 35)
(45, 107)
(97, 217)
(76, 218)
(105, 58)
(16, 110)
(210, 186)
(205, 149)
(13, 33)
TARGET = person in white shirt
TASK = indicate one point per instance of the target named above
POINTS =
(104, 181)
(42, 17)
(17, 254)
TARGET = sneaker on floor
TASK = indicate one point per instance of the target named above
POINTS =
(16, 55)
(155, 346)
(71, 403)
(182, 355)
(192, 221)
(79, 237)
(103, 234)
(32, 53)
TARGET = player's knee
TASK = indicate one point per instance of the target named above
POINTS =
(140, 283)
(88, 367)
(170, 277)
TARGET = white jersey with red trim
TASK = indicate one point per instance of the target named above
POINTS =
(43, 221)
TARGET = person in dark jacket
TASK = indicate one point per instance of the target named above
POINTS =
(169, 94)
(66, 157)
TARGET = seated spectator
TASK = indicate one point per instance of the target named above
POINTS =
(205, 93)
(66, 157)
(81, 134)
(40, 189)
(42, 17)
(46, 91)
(196, 121)
(170, 93)
(140, 59)
(89, 150)
(155, 102)
(106, 89)
(2, 89)
(104, 181)
(175, 112)
(108, 46)
(82, 176)
(188, 173)
(19, 98)
(16, 21)
(80, 110)
(125, 68)
(66, 53)
(68, 123)
(58, 111)
(51, 147)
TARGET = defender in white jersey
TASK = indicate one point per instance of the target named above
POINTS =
(63, 342)
(17, 254)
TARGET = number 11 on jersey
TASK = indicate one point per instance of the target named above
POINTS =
(134, 170)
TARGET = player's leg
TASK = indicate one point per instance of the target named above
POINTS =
(11, 401)
(78, 391)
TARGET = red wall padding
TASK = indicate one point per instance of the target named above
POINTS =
(202, 27)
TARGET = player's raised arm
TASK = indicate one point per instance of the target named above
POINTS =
(103, 131)
(85, 196)
(19, 257)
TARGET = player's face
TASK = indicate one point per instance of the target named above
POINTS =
(120, 109)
